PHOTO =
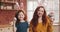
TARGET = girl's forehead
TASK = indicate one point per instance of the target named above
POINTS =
(20, 12)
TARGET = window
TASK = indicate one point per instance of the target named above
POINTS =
(50, 5)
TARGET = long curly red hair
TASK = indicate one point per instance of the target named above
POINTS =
(34, 20)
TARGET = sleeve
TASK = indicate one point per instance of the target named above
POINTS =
(30, 28)
(27, 25)
(49, 27)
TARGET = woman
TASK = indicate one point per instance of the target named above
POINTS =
(40, 21)
(21, 23)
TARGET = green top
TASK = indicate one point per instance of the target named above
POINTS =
(22, 27)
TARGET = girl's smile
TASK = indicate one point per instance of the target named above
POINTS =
(21, 16)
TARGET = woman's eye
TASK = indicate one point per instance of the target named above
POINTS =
(42, 11)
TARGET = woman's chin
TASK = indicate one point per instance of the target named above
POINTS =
(40, 16)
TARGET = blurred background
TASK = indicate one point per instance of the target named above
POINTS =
(8, 8)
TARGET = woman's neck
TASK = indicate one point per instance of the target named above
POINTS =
(39, 19)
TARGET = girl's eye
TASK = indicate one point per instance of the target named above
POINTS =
(22, 15)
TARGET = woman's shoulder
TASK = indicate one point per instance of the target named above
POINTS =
(31, 23)
(49, 20)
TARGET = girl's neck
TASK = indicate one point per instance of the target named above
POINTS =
(22, 21)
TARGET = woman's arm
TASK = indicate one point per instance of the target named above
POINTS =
(49, 27)
(30, 28)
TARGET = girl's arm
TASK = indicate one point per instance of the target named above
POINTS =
(14, 27)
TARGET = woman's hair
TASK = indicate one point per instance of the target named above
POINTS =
(16, 15)
(34, 20)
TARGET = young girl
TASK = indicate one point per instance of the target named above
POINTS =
(40, 21)
(21, 23)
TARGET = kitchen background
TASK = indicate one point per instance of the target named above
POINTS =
(8, 8)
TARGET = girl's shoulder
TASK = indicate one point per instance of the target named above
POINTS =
(26, 21)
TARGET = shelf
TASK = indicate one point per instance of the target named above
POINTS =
(9, 9)
(8, 2)
(3, 26)
(7, 5)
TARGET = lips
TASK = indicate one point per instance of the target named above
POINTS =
(21, 17)
(39, 14)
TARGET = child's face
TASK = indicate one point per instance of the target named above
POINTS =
(21, 16)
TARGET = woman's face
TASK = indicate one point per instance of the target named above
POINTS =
(21, 16)
(40, 12)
